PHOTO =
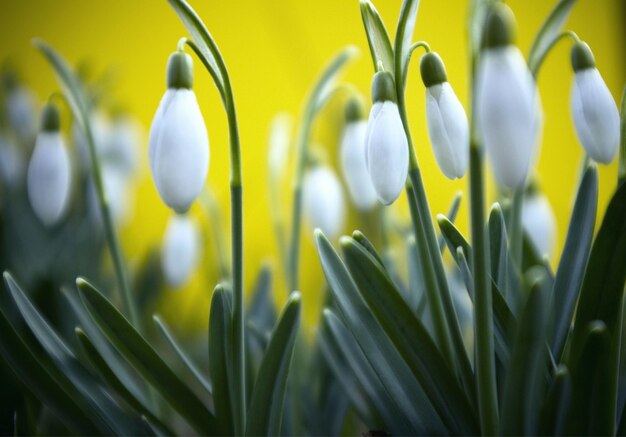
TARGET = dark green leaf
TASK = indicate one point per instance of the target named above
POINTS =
(498, 246)
(266, 405)
(377, 37)
(125, 338)
(402, 44)
(261, 311)
(452, 212)
(454, 238)
(557, 403)
(569, 274)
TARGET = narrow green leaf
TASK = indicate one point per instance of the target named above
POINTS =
(556, 405)
(266, 405)
(416, 279)
(324, 88)
(411, 339)
(377, 37)
(103, 369)
(452, 212)
(367, 245)
(454, 238)
(498, 246)
(526, 371)
(134, 348)
(621, 169)
(569, 274)
(404, 34)
(396, 376)
(549, 30)
(169, 337)
(261, 311)
(220, 359)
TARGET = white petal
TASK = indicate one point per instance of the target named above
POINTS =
(49, 178)
(596, 117)
(539, 223)
(323, 200)
(353, 164)
(179, 149)
(387, 152)
(280, 138)
(376, 108)
(506, 105)
(99, 129)
(118, 193)
(121, 145)
(180, 251)
(448, 130)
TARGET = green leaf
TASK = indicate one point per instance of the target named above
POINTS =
(547, 34)
(569, 275)
(261, 311)
(220, 359)
(557, 403)
(410, 404)
(323, 89)
(266, 405)
(205, 46)
(526, 371)
(377, 37)
(32, 369)
(498, 246)
(134, 348)
(454, 238)
(402, 44)
(411, 339)
(621, 169)
(367, 245)
(169, 337)
(103, 369)
(452, 212)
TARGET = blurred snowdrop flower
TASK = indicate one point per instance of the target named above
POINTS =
(99, 129)
(121, 145)
(323, 200)
(181, 250)
(179, 144)
(119, 196)
(539, 223)
(48, 179)
(352, 157)
(595, 113)
(12, 164)
(447, 123)
(21, 112)
(280, 137)
(506, 101)
(386, 146)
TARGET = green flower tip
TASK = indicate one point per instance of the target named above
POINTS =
(50, 118)
(179, 70)
(355, 109)
(582, 57)
(499, 30)
(432, 69)
(383, 87)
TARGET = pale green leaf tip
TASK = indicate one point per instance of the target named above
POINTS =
(327, 313)
(411, 240)
(7, 276)
(79, 331)
(496, 208)
(345, 241)
(458, 194)
(294, 297)
(459, 252)
(317, 232)
(441, 219)
(156, 319)
(81, 282)
(597, 327)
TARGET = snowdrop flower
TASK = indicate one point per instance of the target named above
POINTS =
(180, 251)
(596, 117)
(386, 146)
(120, 148)
(323, 200)
(179, 144)
(21, 111)
(539, 223)
(118, 194)
(352, 150)
(48, 178)
(446, 120)
(506, 102)
(99, 129)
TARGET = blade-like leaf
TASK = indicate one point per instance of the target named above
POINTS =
(410, 404)
(557, 403)
(404, 34)
(169, 337)
(266, 405)
(261, 311)
(621, 169)
(125, 338)
(377, 37)
(411, 339)
(569, 274)
(549, 30)
(498, 246)
(454, 238)
(452, 212)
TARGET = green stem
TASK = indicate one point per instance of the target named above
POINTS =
(516, 233)
(621, 169)
(213, 211)
(563, 35)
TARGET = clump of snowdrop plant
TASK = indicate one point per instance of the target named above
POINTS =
(488, 339)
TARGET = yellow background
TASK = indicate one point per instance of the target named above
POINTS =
(274, 50)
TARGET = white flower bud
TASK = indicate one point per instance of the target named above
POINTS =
(99, 129)
(118, 193)
(506, 113)
(323, 200)
(179, 144)
(539, 223)
(48, 179)
(353, 165)
(120, 148)
(180, 251)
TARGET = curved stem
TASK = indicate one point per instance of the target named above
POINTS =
(563, 35)
(409, 55)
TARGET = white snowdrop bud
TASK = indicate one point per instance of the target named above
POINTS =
(121, 144)
(595, 113)
(386, 146)
(99, 130)
(506, 102)
(323, 200)
(446, 120)
(179, 144)
(21, 111)
(48, 179)
(180, 251)
(539, 223)
(352, 150)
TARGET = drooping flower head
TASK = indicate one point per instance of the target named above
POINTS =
(181, 250)
(595, 113)
(446, 120)
(506, 101)
(323, 200)
(539, 222)
(352, 157)
(386, 146)
(179, 144)
(49, 170)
